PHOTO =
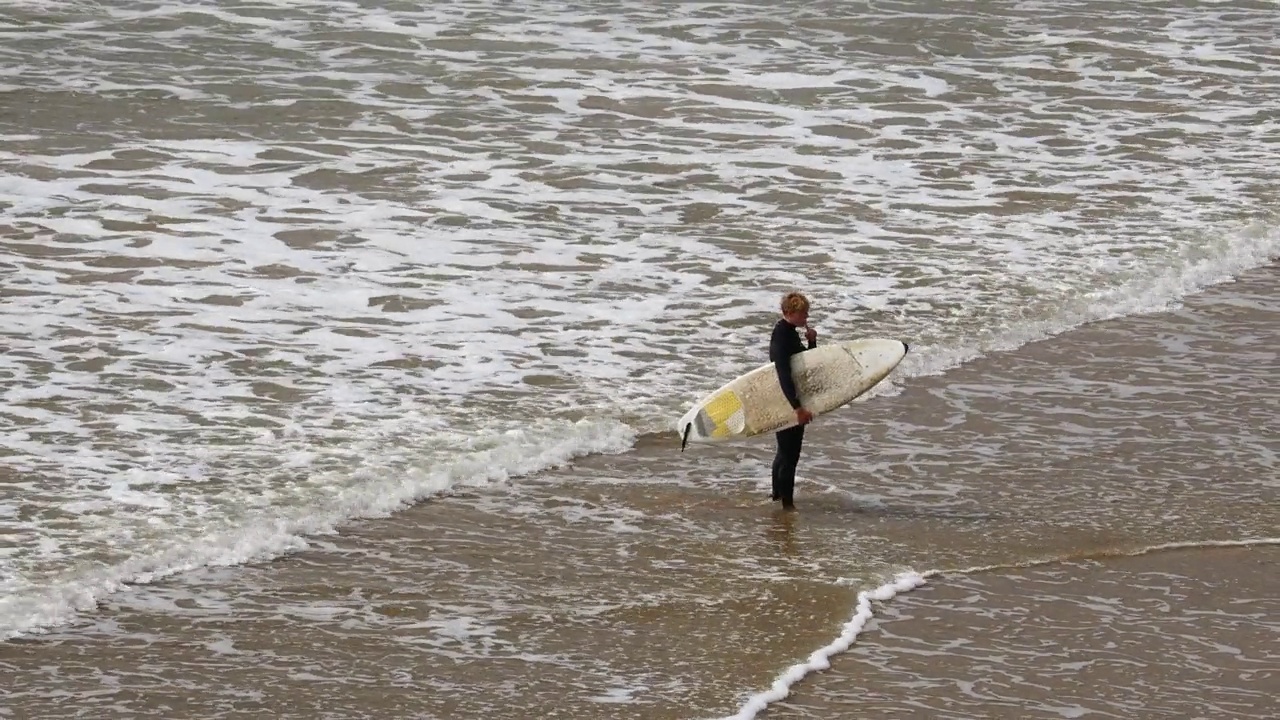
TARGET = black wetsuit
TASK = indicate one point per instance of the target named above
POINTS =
(785, 343)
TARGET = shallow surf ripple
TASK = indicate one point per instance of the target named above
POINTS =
(1086, 639)
(268, 266)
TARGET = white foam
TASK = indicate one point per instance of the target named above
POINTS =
(820, 659)
(617, 696)
(274, 528)
(317, 285)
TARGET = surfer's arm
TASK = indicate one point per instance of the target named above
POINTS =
(788, 383)
(780, 352)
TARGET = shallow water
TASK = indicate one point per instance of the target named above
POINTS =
(1062, 578)
(272, 270)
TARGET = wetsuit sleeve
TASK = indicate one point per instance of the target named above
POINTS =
(781, 355)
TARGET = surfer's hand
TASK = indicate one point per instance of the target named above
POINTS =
(811, 335)
(803, 416)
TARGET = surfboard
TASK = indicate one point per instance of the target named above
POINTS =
(827, 377)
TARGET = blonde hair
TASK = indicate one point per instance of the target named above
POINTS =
(794, 302)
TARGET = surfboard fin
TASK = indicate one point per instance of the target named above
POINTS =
(685, 440)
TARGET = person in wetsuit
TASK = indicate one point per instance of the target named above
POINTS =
(782, 345)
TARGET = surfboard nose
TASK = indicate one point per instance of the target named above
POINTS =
(906, 348)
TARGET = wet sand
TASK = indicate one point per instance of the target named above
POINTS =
(1175, 634)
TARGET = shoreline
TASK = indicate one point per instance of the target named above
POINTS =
(664, 585)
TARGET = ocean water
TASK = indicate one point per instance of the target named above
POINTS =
(269, 271)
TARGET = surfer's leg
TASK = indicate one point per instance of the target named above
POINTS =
(789, 443)
(778, 461)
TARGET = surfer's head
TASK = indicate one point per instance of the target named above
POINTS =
(795, 308)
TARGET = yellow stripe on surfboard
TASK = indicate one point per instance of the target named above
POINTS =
(721, 409)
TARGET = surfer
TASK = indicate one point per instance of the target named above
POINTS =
(782, 345)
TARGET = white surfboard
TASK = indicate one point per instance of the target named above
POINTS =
(827, 377)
